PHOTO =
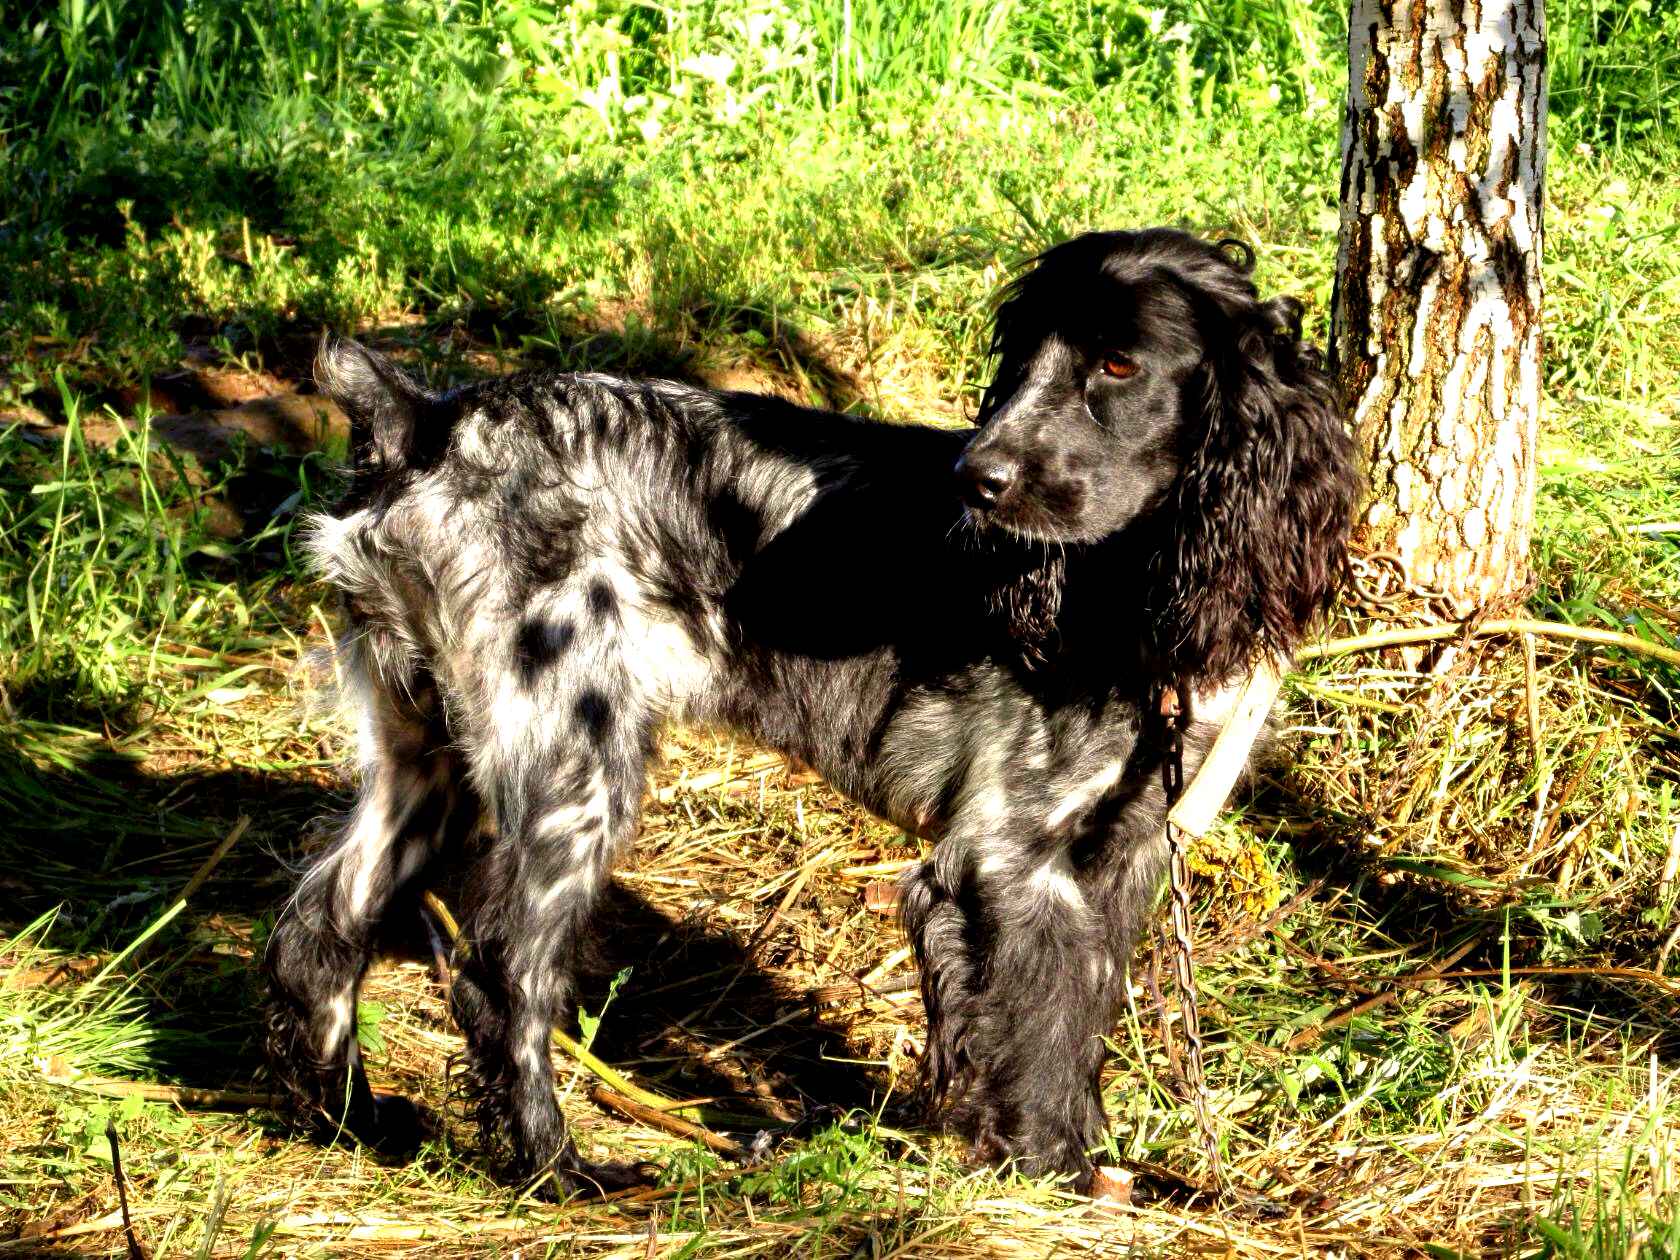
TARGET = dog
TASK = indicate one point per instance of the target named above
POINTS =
(971, 633)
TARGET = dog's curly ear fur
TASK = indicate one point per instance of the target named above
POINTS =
(1263, 506)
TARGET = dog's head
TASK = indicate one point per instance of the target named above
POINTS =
(1144, 388)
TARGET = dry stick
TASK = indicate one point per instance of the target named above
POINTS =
(1671, 868)
(1218, 949)
(98, 1225)
(185, 1096)
(1340, 975)
(843, 990)
(34, 977)
(214, 860)
(648, 1194)
(1337, 1018)
(1486, 630)
(718, 778)
(904, 1247)
(134, 1252)
(1668, 947)
(1531, 685)
(1668, 984)
(1569, 789)
(658, 1118)
(761, 937)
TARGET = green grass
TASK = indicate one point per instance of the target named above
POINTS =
(784, 197)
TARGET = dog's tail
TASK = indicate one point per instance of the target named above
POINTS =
(394, 423)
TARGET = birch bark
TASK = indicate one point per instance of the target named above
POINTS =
(1435, 323)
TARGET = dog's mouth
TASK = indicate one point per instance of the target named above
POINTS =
(1021, 525)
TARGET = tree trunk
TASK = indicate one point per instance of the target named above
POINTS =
(1435, 326)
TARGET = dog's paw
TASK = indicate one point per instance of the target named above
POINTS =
(575, 1177)
(1048, 1156)
(399, 1125)
(388, 1124)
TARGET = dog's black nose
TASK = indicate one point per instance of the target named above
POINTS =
(984, 478)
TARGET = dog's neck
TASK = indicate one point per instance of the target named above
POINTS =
(1067, 608)
(1087, 613)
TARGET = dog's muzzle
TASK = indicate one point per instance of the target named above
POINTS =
(986, 480)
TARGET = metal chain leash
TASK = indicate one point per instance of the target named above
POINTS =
(1380, 583)
(1184, 954)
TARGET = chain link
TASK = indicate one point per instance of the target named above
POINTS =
(1381, 584)
(1184, 953)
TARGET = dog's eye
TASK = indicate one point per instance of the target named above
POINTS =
(1118, 366)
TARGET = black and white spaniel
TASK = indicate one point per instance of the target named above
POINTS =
(967, 632)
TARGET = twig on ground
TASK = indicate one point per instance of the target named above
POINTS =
(1641, 975)
(1569, 790)
(613, 1078)
(719, 778)
(1253, 931)
(214, 860)
(1488, 629)
(1402, 983)
(1340, 975)
(1531, 687)
(619, 1085)
(187, 1096)
(829, 994)
(665, 1121)
(129, 1238)
(98, 1225)
(59, 969)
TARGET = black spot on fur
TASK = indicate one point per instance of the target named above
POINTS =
(538, 645)
(594, 716)
(602, 602)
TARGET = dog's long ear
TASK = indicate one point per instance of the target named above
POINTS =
(1259, 527)
(388, 411)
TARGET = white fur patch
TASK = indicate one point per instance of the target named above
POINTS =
(1054, 880)
(326, 541)
(535, 1055)
(1087, 793)
(572, 818)
(366, 847)
(339, 1013)
(565, 886)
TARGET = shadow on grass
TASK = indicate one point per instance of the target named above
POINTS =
(710, 340)
(111, 842)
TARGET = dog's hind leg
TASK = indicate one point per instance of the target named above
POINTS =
(567, 790)
(414, 801)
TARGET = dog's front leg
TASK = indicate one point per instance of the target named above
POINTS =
(1019, 994)
(1048, 1001)
(932, 908)
(1024, 966)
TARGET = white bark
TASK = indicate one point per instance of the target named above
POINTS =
(1436, 327)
